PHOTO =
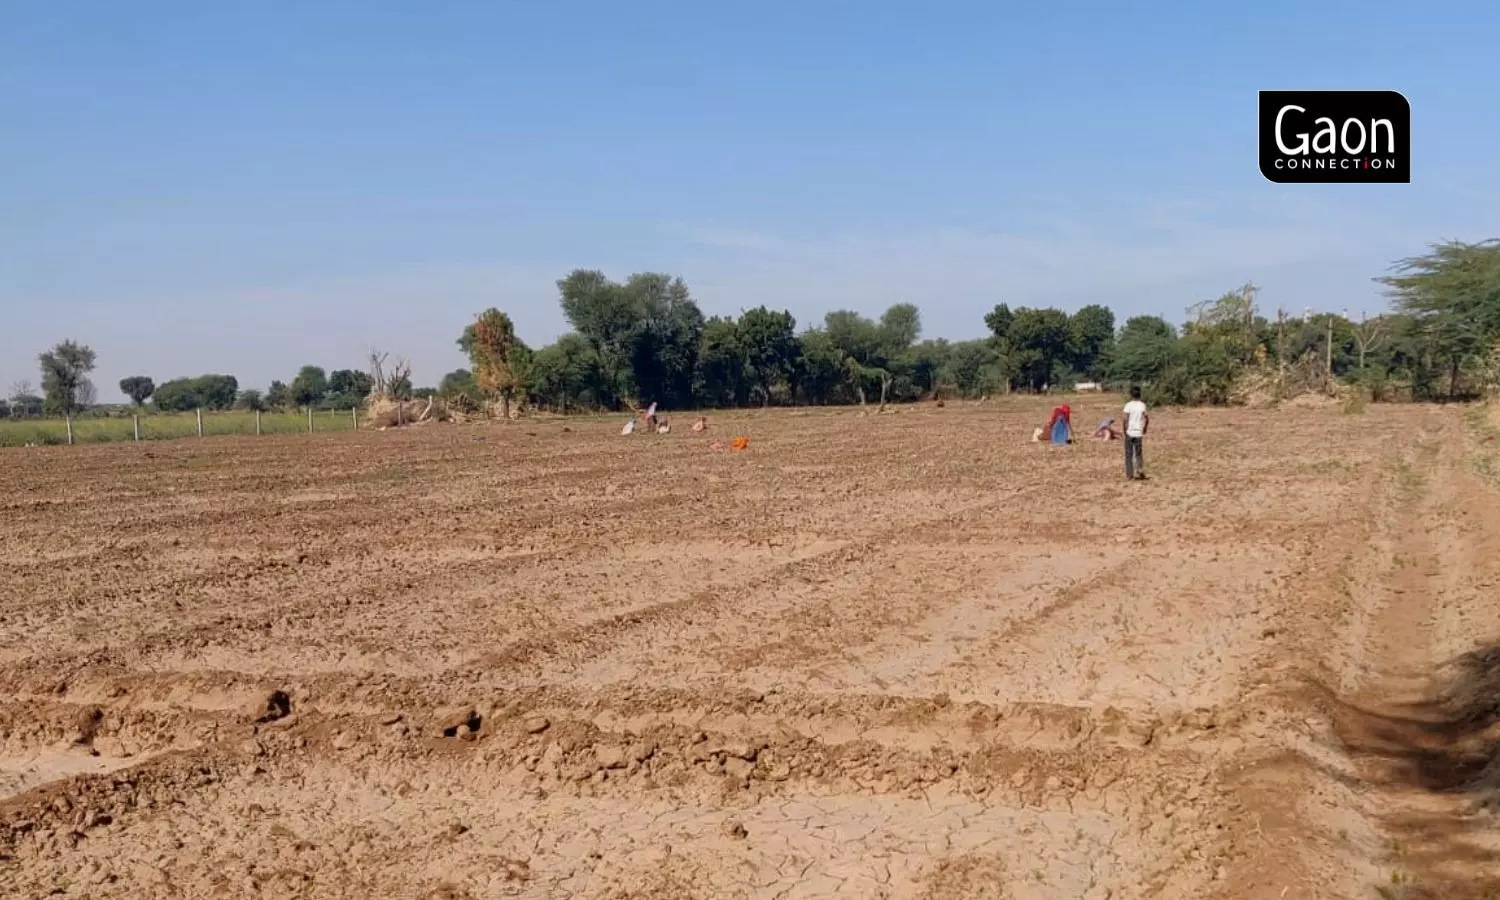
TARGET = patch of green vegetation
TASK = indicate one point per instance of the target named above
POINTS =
(164, 426)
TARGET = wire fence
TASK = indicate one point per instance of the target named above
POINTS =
(171, 426)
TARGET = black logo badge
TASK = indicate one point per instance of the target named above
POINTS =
(1335, 137)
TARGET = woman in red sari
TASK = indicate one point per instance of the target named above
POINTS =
(1064, 415)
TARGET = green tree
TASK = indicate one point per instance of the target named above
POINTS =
(663, 346)
(251, 399)
(496, 356)
(768, 341)
(460, 389)
(66, 388)
(722, 362)
(928, 365)
(216, 392)
(1453, 294)
(1091, 340)
(1146, 348)
(998, 320)
(278, 396)
(977, 369)
(138, 388)
(604, 315)
(566, 375)
(822, 370)
(177, 395)
(861, 350)
(348, 388)
(1039, 339)
(309, 387)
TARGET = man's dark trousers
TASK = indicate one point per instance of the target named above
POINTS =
(1135, 463)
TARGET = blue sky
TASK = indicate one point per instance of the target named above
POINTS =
(247, 187)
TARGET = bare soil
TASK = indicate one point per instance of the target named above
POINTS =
(905, 655)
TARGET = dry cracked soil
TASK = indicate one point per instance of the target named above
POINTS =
(904, 655)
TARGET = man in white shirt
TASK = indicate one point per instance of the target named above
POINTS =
(1136, 423)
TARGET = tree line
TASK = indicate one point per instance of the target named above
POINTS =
(646, 340)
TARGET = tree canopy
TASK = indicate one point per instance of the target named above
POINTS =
(645, 339)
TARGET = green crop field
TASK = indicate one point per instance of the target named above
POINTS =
(164, 426)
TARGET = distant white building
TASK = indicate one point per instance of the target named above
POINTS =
(1088, 386)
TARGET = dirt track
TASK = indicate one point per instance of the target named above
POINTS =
(906, 656)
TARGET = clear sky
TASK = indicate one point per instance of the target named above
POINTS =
(193, 186)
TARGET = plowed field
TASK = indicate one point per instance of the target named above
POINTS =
(906, 655)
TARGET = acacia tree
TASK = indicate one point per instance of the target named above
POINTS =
(66, 388)
(138, 388)
(1453, 292)
(493, 351)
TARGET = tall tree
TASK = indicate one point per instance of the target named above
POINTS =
(493, 351)
(1453, 293)
(928, 364)
(977, 368)
(602, 312)
(1039, 339)
(722, 362)
(278, 396)
(663, 347)
(822, 367)
(998, 320)
(138, 388)
(1146, 348)
(1091, 337)
(66, 388)
(769, 342)
(309, 387)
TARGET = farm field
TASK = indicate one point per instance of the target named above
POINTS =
(907, 655)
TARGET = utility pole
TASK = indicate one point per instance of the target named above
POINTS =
(1281, 339)
(1328, 351)
(1249, 293)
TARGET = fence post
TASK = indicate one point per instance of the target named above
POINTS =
(137, 427)
(70, 427)
(200, 421)
(257, 423)
(354, 414)
(400, 412)
(309, 419)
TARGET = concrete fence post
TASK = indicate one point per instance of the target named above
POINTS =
(354, 415)
(69, 417)
(257, 423)
(200, 421)
(309, 420)
(137, 422)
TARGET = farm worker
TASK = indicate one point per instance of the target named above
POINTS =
(1060, 426)
(701, 425)
(1136, 423)
(1106, 431)
(651, 417)
(664, 428)
(629, 427)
